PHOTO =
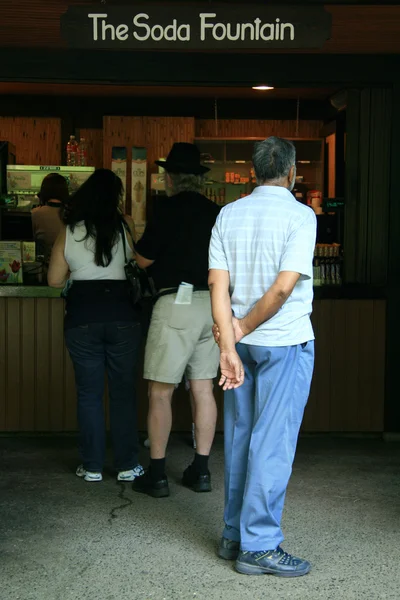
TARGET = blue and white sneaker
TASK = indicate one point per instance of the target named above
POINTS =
(131, 474)
(88, 475)
(274, 562)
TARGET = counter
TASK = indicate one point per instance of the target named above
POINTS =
(29, 291)
(37, 390)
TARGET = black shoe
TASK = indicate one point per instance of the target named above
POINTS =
(196, 482)
(145, 484)
(273, 562)
(228, 549)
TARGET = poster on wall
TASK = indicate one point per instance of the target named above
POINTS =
(139, 181)
(10, 263)
(118, 166)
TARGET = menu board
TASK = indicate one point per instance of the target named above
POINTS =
(28, 179)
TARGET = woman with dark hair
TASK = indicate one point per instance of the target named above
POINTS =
(46, 219)
(102, 329)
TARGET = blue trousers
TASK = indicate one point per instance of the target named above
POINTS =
(95, 349)
(262, 422)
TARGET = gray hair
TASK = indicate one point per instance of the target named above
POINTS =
(272, 159)
(185, 182)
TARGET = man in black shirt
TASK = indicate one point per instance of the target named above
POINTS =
(174, 247)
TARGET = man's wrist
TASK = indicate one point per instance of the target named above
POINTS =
(226, 348)
(244, 327)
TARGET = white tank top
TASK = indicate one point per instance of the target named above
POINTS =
(79, 254)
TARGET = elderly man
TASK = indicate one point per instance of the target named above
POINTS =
(261, 255)
(180, 339)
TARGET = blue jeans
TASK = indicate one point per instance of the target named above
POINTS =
(262, 422)
(95, 349)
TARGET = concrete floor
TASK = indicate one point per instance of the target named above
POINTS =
(64, 539)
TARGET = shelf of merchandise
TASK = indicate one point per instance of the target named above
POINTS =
(234, 156)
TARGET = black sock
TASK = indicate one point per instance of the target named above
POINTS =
(157, 468)
(200, 463)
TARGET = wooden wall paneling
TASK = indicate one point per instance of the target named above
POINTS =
(352, 366)
(28, 374)
(56, 365)
(161, 132)
(13, 389)
(243, 128)
(121, 131)
(378, 382)
(3, 362)
(94, 141)
(42, 364)
(350, 24)
(317, 416)
(37, 390)
(37, 140)
(338, 365)
(366, 400)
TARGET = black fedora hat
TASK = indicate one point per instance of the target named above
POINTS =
(183, 158)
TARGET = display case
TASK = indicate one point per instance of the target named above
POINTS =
(25, 180)
(231, 174)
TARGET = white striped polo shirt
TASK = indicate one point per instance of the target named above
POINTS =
(257, 237)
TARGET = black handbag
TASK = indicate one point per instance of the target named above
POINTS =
(141, 286)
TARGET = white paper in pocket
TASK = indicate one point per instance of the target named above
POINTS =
(185, 294)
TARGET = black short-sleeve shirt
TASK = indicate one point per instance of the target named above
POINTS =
(177, 239)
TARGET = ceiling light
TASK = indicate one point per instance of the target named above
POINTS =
(262, 88)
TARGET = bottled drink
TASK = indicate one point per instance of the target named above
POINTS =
(82, 153)
(72, 150)
(317, 269)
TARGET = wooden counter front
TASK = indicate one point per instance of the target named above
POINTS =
(37, 390)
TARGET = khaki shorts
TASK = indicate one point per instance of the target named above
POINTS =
(180, 341)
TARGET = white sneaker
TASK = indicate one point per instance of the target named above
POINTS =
(88, 475)
(130, 475)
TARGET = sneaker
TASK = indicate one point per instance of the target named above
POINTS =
(274, 562)
(145, 484)
(131, 474)
(88, 475)
(228, 549)
(196, 482)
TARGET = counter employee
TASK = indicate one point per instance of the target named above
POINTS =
(46, 218)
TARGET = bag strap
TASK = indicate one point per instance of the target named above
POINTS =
(128, 230)
(124, 227)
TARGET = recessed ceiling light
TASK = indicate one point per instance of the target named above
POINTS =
(262, 88)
